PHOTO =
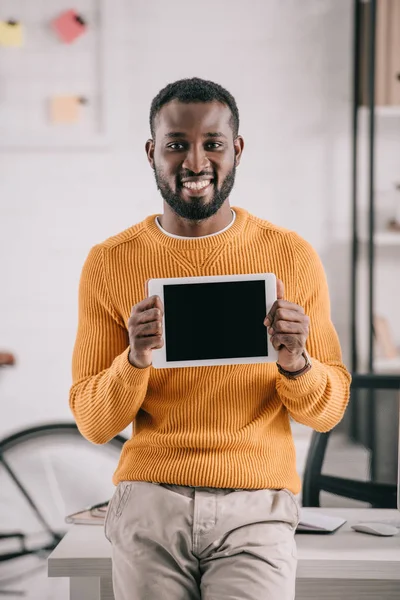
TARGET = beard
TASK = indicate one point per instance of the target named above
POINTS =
(196, 209)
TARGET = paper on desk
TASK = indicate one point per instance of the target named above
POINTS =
(317, 522)
(94, 516)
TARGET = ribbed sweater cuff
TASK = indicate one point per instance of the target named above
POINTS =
(305, 385)
(127, 374)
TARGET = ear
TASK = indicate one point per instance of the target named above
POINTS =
(238, 144)
(150, 152)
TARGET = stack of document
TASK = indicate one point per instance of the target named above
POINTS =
(92, 515)
(315, 522)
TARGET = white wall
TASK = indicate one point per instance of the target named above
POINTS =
(288, 65)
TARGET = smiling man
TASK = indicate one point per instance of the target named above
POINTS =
(205, 504)
(195, 163)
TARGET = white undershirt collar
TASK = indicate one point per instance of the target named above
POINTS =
(184, 237)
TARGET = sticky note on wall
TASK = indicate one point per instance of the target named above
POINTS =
(11, 34)
(69, 26)
(66, 109)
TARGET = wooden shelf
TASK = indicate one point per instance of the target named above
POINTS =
(384, 238)
(387, 238)
(387, 365)
(381, 111)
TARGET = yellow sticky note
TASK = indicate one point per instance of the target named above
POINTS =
(65, 109)
(11, 34)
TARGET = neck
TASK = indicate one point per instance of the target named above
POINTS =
(173, 223)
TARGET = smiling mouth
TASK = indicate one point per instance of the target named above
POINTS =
(196, 185)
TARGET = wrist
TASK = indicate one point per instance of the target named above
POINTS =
(294, 374)
(294, 365)
(135, 362)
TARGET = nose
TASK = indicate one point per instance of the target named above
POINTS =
(195, 160)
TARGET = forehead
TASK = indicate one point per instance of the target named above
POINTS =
(192, 117)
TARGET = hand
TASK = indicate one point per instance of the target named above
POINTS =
(288, 326)
(145, 331)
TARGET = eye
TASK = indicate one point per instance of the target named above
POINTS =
(176, 146)
(213, 145)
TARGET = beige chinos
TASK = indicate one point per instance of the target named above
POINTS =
(175, 542)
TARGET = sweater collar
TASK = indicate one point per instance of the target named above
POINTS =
(210, 241)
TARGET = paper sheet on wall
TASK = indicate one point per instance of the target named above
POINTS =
(69, 26)
(65, 109)
(11, 34)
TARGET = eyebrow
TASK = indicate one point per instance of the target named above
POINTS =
(180, 134)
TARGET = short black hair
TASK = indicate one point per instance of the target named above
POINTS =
(195, 90)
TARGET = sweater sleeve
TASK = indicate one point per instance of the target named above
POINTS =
(319, 398)
(107, 391)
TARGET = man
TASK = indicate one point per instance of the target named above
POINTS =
(205, 502)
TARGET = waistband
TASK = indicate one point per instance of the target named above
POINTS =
(189, 490)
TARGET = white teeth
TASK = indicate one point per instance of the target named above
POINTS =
(196, 185)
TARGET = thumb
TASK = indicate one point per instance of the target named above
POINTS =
(280, 289)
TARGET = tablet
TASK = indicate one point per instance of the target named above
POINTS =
(215, 320)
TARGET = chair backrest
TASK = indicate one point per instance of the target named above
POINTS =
(6, 359)
(363, 465)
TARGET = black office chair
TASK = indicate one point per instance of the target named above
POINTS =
(367, 402)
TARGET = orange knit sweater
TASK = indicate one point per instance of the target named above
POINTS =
(225, 426)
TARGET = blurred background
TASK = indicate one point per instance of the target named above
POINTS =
(317, 83)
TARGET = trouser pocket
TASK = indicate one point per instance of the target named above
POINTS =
(116, 506)
(295, 506)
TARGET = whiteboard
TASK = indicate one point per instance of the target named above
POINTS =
(45, 67)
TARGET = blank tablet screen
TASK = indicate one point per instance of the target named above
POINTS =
(215, 320)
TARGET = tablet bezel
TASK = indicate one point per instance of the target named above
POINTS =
(155, 287)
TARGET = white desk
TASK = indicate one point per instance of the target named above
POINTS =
(341, 565)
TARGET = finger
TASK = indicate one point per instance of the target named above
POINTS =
(144, 344)
(291, 341)
(287, 327)
(158, 304)
(148, 329)
(276, 343)
(269, 319)
(295, 314)
(279, 305)
(148, 303)
(153, 314)
(280, 289)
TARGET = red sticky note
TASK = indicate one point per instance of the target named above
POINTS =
(69, 26)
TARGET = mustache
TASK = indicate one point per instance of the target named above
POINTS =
(186, 174)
